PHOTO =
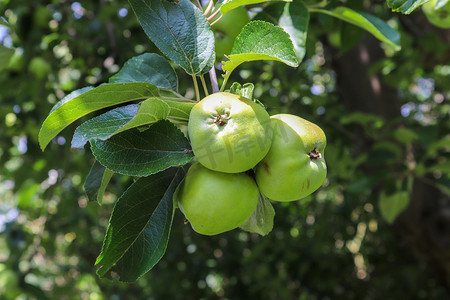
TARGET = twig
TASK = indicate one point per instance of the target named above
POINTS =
(218, 19)
(208, 9)
(213, 78)
(199, 5)
(213, 15)
(205, 88)
(197, 92)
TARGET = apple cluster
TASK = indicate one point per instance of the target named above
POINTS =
(241, 151)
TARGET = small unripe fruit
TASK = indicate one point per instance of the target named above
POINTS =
(438, 17)
(229, 133)
(215, 202)
(295, 165)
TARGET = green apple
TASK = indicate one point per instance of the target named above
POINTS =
(215, 202)
(229, 133)
(228, 28)
(439, 17)
(295, 165)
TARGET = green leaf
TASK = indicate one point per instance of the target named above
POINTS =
(180, 110)
(130, 116)
(180, 31)
(349, 36)
(235, 88)
(150, 111)
(120, 119)
(139, 227)
(96, 182)
(405, 6)
(148, 67)
(405, 136)
(247, 91)
(137, 153)
(71, 96)
(293, 18)
(5, 56)
(232, 4)
(260, 40)
(380, 29)
(105, 125)
(261, 221)
(87, 100)
(391, 206)
(434, 147)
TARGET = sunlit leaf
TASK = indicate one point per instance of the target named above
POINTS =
(380, 29)
(293, 18)
(180, 31)
(260, 40)
(87, 100)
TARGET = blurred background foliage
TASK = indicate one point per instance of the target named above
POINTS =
(386, 116)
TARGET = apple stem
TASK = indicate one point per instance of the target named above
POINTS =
(208, 9)
(197, 92)
(213, 78)
(213, 15)
(218, 19)
(199, 5)
(205, 88)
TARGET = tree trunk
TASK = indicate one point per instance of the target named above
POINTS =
(425, 224)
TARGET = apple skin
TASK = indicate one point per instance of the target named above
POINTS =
(228, 28)
(438, 17)
(215, 202)
(295, 165)
(229, 133)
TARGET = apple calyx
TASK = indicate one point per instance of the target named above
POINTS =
(315, 154)
(221, 119)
